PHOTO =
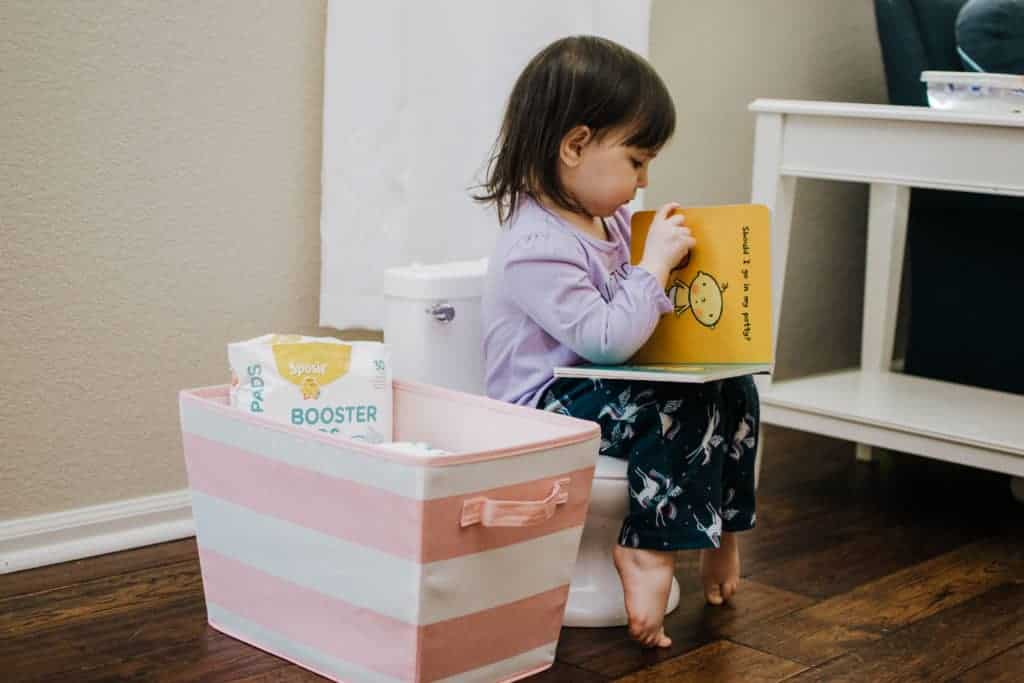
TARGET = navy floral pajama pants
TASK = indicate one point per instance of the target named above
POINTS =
(690, 448)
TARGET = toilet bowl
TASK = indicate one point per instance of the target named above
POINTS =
(432, 323)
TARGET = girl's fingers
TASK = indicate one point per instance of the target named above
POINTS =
(665, 210)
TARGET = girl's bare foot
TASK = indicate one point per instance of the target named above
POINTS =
(720, 569)
(646, 582)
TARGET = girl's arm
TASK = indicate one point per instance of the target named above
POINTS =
(546, 275)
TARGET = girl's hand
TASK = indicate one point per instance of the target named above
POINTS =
(668, 243)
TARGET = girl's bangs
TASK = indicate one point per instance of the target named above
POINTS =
(653, 124)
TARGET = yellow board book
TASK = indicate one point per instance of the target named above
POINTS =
(720, 325)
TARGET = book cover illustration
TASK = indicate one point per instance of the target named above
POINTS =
(721, 293)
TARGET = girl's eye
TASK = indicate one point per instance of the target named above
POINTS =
(637, 164)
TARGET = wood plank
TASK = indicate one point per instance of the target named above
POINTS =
(864, 552)
(223, 659)
(748, 609)
(876, 523)
(561, 672)
(580, 645)
(1006, 667)
(969, 633)
(23, 615)
(103, 621)
(165, 642)
(100, 644)
(212, 656)
(790, 530)
(289, 674)
(784, 466)
(832, 502)
(216, 657)
(79, 571)
(838, 625)
(694, 623)
(722, 662)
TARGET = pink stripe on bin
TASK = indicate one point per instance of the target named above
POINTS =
(387, 522)
(475, 640)
(373, 641)
(403, 527)
(445, 538)
(336, 628)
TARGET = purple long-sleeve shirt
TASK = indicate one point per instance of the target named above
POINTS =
(557, 296)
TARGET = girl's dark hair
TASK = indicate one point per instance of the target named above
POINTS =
(580, 80)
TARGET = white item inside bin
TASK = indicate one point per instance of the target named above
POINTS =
(413, 448)
(976, 92)
(461, 424)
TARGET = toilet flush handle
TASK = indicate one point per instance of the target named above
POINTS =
(443, 312)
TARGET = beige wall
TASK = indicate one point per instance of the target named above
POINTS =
(159, 196)
(718, 56)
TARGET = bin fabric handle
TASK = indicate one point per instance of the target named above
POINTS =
(489, 512)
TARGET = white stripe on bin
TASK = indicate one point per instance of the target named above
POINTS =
(384, 583)
(275, 643)
(354, 573)
(456, 480)
(421, 483)
(472, 583)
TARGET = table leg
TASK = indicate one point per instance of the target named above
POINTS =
(887, 237)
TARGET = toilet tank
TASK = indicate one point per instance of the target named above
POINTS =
(432, 323)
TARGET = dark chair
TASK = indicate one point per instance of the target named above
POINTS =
(966, 251)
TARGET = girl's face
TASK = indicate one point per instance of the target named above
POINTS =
(606, 173)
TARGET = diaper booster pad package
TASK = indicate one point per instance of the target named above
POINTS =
(341, 388)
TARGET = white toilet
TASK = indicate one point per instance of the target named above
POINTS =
(432, 324)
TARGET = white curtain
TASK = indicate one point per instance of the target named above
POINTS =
(413, 98)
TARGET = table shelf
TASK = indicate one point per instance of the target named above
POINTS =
(946, 421)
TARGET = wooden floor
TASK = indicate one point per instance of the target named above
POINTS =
(900, 570)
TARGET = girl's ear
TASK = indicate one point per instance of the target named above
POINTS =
(571, 149)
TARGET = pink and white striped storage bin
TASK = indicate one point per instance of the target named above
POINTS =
(365, 564)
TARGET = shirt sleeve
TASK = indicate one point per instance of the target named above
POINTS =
(547, 277)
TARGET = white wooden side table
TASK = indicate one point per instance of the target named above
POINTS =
(892, 148)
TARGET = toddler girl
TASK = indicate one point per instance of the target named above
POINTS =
(583, 122)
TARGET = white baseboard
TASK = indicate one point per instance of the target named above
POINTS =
(95, 530)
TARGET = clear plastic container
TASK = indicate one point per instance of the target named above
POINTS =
(975, 92)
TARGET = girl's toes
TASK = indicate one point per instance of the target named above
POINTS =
(713, 593)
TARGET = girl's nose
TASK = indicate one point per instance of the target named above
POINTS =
(642, 179)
